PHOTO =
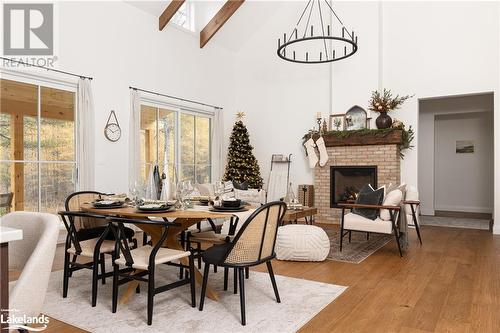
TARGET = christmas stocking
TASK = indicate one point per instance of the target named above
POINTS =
(311, 153)
(323, 154)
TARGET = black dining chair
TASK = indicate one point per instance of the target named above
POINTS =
(253, 245)
(94, 248)
(142, 261)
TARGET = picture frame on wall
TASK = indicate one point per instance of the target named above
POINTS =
(464, 147)
(337, 122)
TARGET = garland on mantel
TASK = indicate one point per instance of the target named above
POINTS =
(408, 136)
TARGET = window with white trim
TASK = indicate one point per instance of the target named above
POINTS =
(38, 160)
(177, 140)
(184, 17)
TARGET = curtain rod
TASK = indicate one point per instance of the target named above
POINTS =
(47, 68)
(177, 98)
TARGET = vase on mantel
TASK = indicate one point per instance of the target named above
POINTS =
(383, 120)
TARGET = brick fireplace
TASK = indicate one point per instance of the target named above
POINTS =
(376, 153)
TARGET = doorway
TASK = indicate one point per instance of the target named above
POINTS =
(456, 160)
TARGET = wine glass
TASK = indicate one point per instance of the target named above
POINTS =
(219, 188)
(134, 192)
(188, 190)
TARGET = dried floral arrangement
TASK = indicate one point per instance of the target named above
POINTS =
(385, 102)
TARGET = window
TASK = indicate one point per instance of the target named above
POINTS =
(37, 139)
(177, 139)
(184, 17)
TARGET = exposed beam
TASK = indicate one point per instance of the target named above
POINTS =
(169, 12)
(218, 20)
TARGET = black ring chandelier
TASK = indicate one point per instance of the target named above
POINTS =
(294, 49)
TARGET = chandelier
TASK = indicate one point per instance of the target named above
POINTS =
(325, 43)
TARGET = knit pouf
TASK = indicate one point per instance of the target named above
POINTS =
(299, 242)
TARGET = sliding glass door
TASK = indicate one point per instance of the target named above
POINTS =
(37, 139)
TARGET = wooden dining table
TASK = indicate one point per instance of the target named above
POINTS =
(183, 218)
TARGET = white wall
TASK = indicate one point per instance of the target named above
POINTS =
(463, 181)
(422, 52)
(119, 46)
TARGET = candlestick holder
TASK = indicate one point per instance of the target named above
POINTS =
(318, 120)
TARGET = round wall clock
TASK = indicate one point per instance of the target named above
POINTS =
(112, 130)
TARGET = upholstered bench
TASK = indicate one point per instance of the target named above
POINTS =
(299, 242)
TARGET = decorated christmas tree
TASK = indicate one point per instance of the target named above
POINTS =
(242, 165)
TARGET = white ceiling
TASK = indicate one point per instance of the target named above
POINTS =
(237, 31)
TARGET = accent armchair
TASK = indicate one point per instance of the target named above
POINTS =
(353, 222)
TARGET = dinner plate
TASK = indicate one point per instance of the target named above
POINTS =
(110, 206)
(155, 210)
(229, 209)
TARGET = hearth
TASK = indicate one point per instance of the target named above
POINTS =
(346, 181)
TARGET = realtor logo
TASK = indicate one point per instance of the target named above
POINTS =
(28, 29)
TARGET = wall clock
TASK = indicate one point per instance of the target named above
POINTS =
(112, 130)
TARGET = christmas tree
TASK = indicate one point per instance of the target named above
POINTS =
(242, 165)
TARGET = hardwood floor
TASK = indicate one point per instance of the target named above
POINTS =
(450, 284)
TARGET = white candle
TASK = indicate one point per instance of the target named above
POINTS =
(318, 115)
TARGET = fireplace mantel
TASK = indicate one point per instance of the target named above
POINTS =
(365, 138)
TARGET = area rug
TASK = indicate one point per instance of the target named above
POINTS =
(453, 222)
(358, 250)
(301, 300)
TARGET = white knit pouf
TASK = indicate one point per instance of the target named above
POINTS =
(300, 242)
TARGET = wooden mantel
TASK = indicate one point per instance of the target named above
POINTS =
(363, 139)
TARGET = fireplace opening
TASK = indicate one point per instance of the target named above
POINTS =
(346, 181)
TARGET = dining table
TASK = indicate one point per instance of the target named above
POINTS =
(183, 218)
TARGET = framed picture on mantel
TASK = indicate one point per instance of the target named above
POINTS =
(337, 122)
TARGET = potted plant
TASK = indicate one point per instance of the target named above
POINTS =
(383, 103)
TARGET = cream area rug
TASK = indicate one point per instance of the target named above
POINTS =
(300, 301)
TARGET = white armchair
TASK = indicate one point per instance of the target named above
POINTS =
(354, 222)
(33, 255)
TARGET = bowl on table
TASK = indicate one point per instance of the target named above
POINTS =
(231, 202)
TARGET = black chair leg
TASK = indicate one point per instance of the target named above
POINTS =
(367, 236)
(204, 285)
(226, 273)
(215, 268)
(115, 289)
(66, 274)
(399, 245)
(247, 272)
(191, 281)
(144, 238)
(198, 250)
(341, 237)
(151, 294)
(350, 234)
(73, 260)
(273, 281)
(95, 271)
(242, 295)
(235, 291)
(103, 268)
(418, 232)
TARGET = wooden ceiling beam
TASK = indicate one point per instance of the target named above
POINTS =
(218, 20)
(169, 12)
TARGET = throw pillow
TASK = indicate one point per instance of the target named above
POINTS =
(369, 197)
(393, 198)
(240, 186)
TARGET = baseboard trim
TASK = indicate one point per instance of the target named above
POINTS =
(466, 209)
